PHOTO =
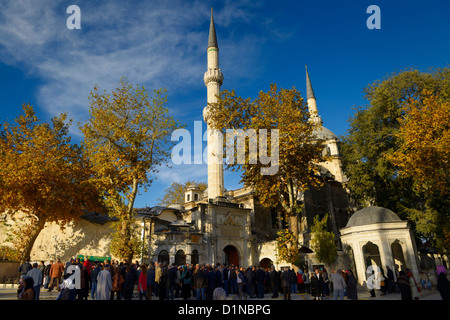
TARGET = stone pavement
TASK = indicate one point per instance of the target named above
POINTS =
(9, 292)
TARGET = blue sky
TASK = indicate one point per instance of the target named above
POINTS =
(163, 44)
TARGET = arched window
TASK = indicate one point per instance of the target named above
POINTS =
(180, 258)
(163, 257)
(194, 257)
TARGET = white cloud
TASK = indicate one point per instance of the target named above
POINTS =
(153, 43)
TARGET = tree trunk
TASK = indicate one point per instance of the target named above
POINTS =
(34, 231)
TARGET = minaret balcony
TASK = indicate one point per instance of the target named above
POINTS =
(213, 75)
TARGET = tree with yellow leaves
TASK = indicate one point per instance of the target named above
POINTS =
(424, 139)
(127, 139)
(423, 156)
(298, 153)
(43, 177)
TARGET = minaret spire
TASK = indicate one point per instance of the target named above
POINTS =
(213, 80)
(212, 40)
(311, 99)
(309, 89)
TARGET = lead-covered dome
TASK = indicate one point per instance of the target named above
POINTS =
(323, 133)
(372, 215)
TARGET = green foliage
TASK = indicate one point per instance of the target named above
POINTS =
(127, 139)
(9, 253)
(322, 241)
(287, 250)
(373, 136)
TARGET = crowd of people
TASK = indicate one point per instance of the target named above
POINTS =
(120, 280)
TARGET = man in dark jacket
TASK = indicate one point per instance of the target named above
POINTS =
(211, 279)
(170, 282)
(24, 268)
(200, 284)
(251, 279)
(260, 277)
(286, 284)
(273, 277)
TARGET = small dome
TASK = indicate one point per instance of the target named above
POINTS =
(371, 215)
(323, 133)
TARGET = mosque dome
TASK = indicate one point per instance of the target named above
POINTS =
(323, 133)
(372, 215)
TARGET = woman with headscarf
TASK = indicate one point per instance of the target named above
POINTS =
(26, 291)
(352, 291)
(443, 285)
(186, 279)
(403, 284)
(104, 284)
(413, 286)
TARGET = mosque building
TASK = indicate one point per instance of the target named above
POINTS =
(232, 227)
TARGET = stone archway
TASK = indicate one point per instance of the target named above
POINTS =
(371, 255)
(231, 255)
(397, 255)
(265, 263)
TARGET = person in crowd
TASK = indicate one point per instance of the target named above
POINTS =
(273, 277)
(36, 274)
(390, 280)
(25, 290)
(47, 274)
(382, 281)
(240, 281)
(300, 282)
(403, 284)
(307, 281)
(171, 278)
(325, 283)
(260, 279)
(315, 286)
(56, 272)
(293, 281)
(104, 284)
(338, 285)
(142, 282)
(200, 283)
(94, 274)
(352, 292)
(226, 279)
(443, 285)
(129, 282)
(413, 285)
(233, 280)
(251, 281)
(117, 283)
(150, 280)
(424, 280)
(157, 277)
(24, 268)
(186, 282)
(219, 294)
(286, 283)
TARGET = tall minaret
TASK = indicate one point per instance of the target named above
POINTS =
(213, 80)
(311, 100)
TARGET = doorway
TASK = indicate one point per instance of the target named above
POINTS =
(231, 255)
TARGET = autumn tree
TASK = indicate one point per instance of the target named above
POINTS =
(43, 177)
(175, 193)
(127, 138)
(282, 111)
(423, 156)
(373, 135)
